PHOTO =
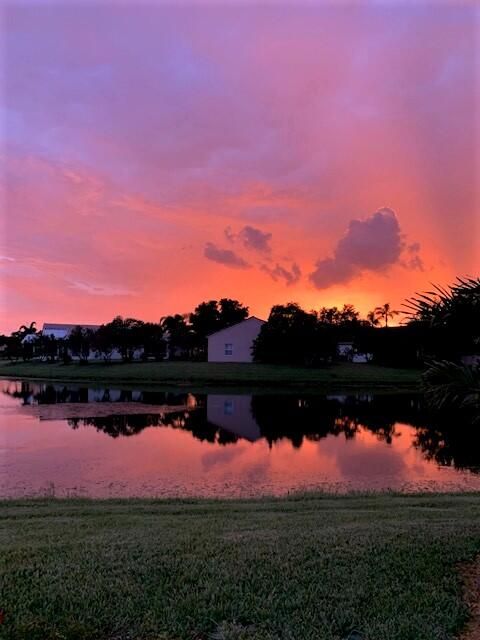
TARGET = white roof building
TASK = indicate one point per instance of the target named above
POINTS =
(61, 331)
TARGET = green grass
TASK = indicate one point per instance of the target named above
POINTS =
(305, 568)
(216, 374)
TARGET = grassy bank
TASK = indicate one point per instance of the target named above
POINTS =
(305, 568)
(208, 374)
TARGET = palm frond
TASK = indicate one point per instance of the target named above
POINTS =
(448, 385)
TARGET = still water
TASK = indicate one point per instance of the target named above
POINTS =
(71, 440)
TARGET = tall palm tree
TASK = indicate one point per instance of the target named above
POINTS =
(385, 312)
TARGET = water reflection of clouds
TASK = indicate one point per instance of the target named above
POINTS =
(369, 460)
(257, 472)
(249, 465)
(221, 457)
(364, 461)
(285, 444)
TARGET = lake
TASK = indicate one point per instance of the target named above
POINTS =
(65, 440)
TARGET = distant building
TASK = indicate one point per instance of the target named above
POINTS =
(62, 331)
(234, 344)
(346, 350)
(30, 338)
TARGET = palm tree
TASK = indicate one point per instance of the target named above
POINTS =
(458, 304)
(448, 385)
(24, 331)
(372, 319)
(385, 312)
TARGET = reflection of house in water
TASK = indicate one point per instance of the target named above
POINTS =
(233, 413)
(358, 398)
(114, 395)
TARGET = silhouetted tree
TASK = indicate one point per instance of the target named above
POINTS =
(450, 317)
(346, 316)
(103, 342)
(25, 331)
(49, 347)
(212, 316)
(205, 318)
(151, 337)
(293, 336)
(178, 336)
(125, 334)
(21, 342)
(80, 342)
(329, 315)
(372, 319)
(386, 313)
(231, 312)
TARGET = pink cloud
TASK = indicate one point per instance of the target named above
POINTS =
(373, 244)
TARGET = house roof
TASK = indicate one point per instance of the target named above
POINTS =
(214, 333)
(56, 326)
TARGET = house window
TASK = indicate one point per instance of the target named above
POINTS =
(228, 408)
(228, 349)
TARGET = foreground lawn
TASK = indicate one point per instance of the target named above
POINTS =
(307, 568)
(215, 374)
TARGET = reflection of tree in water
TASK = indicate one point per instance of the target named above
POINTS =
(118, 425)
(128, 425)
(445, 440)
(50, 393)
(39, 393)
(316, 417)
(452, 443)
(442, 439)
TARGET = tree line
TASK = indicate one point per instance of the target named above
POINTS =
(179, 336)
(443, 323)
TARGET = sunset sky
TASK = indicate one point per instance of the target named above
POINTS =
(157, 155)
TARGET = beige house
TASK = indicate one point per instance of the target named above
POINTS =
(234, 344)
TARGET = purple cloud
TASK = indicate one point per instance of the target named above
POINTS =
(251, 238)
(413, 260)
(224, 256)
(372, 244)
(280, 273)
(256, 239)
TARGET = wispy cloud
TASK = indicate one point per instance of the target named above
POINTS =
(95, 289)
(290, 277)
